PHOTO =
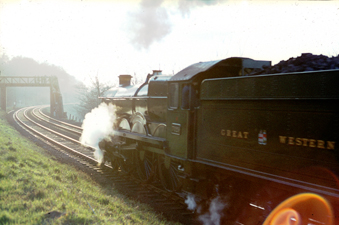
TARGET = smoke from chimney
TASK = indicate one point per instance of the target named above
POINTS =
(151, 23)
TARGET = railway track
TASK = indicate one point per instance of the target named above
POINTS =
(63, 137)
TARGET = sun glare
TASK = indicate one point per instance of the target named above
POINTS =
(90, 36)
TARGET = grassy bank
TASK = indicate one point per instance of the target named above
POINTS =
(37, 189)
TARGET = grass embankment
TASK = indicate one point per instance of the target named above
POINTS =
(35, 189)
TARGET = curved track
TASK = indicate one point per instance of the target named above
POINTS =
(64, 138)
(31, 121)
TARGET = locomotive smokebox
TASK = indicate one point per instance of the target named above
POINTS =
(125, 80)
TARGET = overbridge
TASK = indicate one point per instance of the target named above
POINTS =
(56, 105)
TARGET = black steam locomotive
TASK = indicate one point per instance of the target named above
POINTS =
(267, 143)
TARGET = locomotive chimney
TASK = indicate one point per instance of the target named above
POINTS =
(125, 80)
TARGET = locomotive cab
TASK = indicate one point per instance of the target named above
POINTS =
(184, 99)
(180, 118)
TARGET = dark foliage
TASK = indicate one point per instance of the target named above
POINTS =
(89, 96)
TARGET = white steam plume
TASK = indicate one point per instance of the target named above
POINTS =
(98, 125)
(190, 201)
(215, 212)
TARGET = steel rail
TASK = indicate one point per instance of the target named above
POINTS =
(16, 118)
(48, 129)
(59, 121)
(65, 127)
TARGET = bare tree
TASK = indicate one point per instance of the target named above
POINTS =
(136, 79)
(89, 96)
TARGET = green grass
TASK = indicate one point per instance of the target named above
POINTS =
(32, 184)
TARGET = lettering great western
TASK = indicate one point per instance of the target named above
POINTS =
(286, 140)
(234, 134)
(307, 142)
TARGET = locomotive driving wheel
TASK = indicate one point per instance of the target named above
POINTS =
(144, 160)
(168, 173)
(145, 165)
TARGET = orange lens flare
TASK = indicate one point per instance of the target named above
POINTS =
(301, 209)
(286, 216)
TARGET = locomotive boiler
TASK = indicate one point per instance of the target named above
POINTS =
(267, 143)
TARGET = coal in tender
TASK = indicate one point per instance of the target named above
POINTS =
(305, 62)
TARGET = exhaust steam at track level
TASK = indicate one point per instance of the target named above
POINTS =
(214, 213)
(97, 126)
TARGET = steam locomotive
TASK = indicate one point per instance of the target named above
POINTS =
(267, 143)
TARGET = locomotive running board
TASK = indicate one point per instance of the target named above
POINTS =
(149, 140)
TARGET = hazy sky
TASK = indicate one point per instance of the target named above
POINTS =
(110, 38)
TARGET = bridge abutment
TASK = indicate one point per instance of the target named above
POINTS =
(3, 96)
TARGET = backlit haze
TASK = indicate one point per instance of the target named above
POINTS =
(110, 38)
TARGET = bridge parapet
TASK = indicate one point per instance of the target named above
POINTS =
(16, 81)
(34, 81)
